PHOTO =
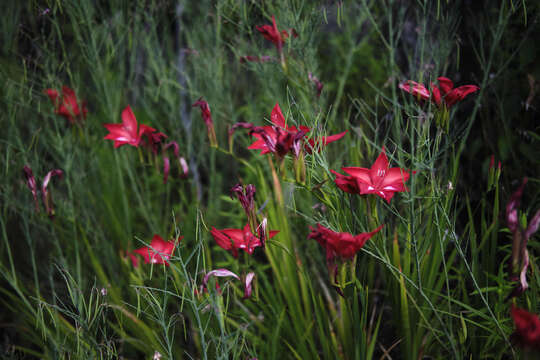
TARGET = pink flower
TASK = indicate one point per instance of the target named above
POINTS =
(318, 84)
(340, 244)
(248, 280)
(444, 95)
(67, 104)
(207, 118)
(158, 252)
(527, 332)
(45, 194)
(129, 132)
(234, 239)
(380, 179)
(520, 239)
(31, 183)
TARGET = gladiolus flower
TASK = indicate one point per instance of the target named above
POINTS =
(227, 273)
(318, 84)
(31, 183)
(380, 179)
(444, 95)
(234, 239)
(129, 132)
(67, 104)
(346, 183)
(167, 164)
(520, 238)
(527, 332)
(207, 118)
(336, 244)
(47, 197)
(158, 252)
(246, 196)
(281, 138)
(271, 33)
(45, 194)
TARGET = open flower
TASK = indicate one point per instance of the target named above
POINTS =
(527, 332)
(234, 239)
(67, 105)
(380, 179)
(128, 132)
(281, 138)
(520, 238)
(340, 244)
(158, 252)
(444, 95)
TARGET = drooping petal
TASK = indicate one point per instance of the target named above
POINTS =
(459, 94)
(47, 198)
(436, 93)
(416, 89)
(31, 183)
(360, 174)
(533, 225)
(248, 285)
(511, 207)
(219, 273)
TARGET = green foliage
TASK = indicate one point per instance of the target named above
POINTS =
(433, 283)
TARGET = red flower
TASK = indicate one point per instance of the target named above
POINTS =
(158, 252)
(271, 32)
(527, 332)
(443, 95)
(67, 104)
(336, 244)
(380, 179)
(207, 118)
(127, 132)
(234, 239)
(280, 137)
(449, 94)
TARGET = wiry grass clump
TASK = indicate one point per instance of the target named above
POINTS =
(437, 281)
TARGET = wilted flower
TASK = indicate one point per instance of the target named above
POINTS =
(167, 164)
(271, 33)
(227, 273)
(520, 254)
(246, 196)
(380, 179)
(67, 104)
(45, 194)
(234, 239)
(318, 84)
(527, 333)
(129, 132)
(158, 252)
(31, 183)
(207, 117)
(340, 244)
